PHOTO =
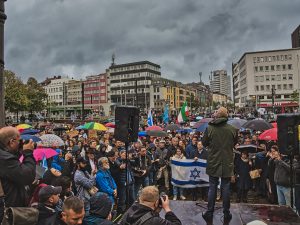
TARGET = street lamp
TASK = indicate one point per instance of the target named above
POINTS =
(2, 21)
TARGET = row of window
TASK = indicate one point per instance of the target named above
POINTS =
(53, 90)
(278, 77)
(134, 75)
(278, 87)
(95, 98)
(282, 67)
(137, 67)
(95, 84)
(95, 91)
(129, 91)
(131, 83)
(272, 58)
(55, 97)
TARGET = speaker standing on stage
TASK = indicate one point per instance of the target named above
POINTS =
(220, 139)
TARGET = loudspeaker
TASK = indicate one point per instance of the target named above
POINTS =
(288, 133)
(127, 123)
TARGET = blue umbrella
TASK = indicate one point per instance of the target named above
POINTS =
(81, 127)
(186, 130)
(30, 131)
(142, 134)
(202, 127)
(28, 137)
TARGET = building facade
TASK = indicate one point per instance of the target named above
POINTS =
(256, 74)
(220, 82)
(130, 83)
(220, 98)
(296, 38)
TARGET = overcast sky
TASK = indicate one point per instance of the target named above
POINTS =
(77, 37)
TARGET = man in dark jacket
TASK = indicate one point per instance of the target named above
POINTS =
(148, 210)
(48, 199)
(220, 139)
(15, 175)
(192, 147)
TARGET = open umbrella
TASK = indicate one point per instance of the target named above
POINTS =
(23, 126)
(157, 133)
(258, 125)
(269, 135)
(172, 127)
(80, 127)
(111, 125)
(32, 137)
(247, 148)
(199, 123)
(40, 153)
(94, 126)
(51, 140)
(202, 127)
(237, 123)
(29, 131)
(142, 133)
(154, 128)
(185, 130)
(274, 124)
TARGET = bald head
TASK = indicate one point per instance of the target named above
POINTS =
(222, 112)
(8, 135)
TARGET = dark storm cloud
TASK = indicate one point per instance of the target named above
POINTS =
(77, 38)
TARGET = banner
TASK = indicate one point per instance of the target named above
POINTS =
(188, 173)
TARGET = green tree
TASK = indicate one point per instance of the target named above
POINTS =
(295, 96)
(15, 93)
(36, 95)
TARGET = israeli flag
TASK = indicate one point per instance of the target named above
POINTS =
(188, 173)
(150, 119)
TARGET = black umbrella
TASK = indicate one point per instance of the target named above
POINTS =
(247, 148)
(257, 124)
(172, 127)
(60, 129)
(157, 133)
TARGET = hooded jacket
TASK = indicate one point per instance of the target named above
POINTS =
(220, 139)
(136, 211)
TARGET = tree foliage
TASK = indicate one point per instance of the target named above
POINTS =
(295, 96)
(36, 95)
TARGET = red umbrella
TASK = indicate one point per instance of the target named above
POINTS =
(274, 124)
(111, 125)
(154, 128)
(269, 135)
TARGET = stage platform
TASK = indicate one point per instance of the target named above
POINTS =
(190, 213)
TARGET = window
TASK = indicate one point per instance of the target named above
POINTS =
(284, 87)
(266, 68)
(261, 68)
(277, 67)
(285, 57)
(272, 68)
(261, 78)
(255, 69)
(261, 59)
(273, 87)
(262, 87)
(261, 97)
(286, 96)
(273, 77)
(290, 76)
(256, 78)
(290, 57)
(269, 58)
(278, 77)
(291, 86)
(290, 66)
(282, 57)
(254, 59)
(283, 76)
(268, 87)
(257, 88)
(279, 86)
(278, 57)
(283, 67)
(274, 58)
(267, 77)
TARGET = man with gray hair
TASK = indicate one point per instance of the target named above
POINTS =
(220, 139)
(14, 175)
(104, 181)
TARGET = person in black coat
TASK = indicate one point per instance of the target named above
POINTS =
(15, 175)
(243, 167)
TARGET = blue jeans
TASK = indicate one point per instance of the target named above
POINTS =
(212, 194)
(177, 190)
(284, 195)
(140, 182)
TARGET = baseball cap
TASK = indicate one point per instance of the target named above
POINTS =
(100, 204)
(81, 160)
(47, 191)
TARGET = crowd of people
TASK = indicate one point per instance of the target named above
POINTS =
(96, 181)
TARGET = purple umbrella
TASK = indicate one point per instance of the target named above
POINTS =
(199, 123)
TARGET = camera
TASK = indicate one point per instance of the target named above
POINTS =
(162, 195)
(24, 142)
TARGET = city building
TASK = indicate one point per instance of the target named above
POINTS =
(256, 74)
(220, 82)
(96, 94)
(220, 98)
(296, 38)
(129, 84)
(203, 93)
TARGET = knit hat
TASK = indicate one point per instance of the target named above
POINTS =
(48, 191)
(100, 205)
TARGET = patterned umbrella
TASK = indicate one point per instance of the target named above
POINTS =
(23, 126)
(94, 126)
(237, 123)
(199, 123)
(51, 140)
(154, 128)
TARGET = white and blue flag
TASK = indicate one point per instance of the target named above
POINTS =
(150, 119)
(188, 173)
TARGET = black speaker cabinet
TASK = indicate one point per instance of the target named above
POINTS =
(127, 123)
(288, 133)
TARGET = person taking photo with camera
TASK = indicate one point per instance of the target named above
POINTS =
(146, 211)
